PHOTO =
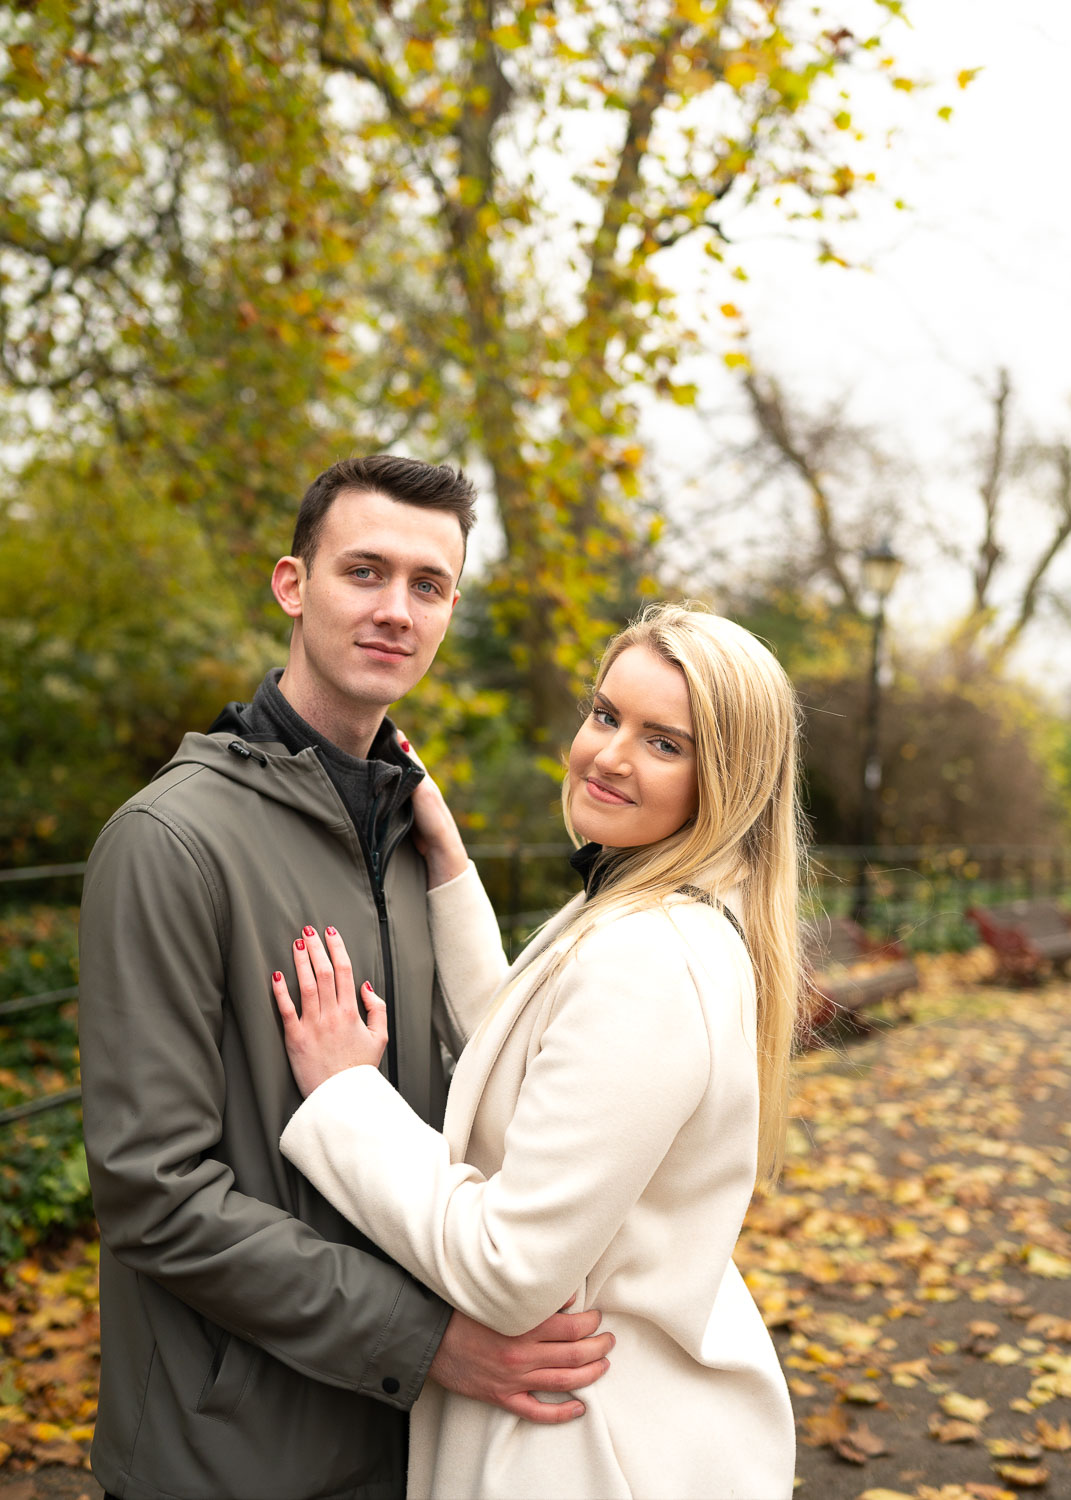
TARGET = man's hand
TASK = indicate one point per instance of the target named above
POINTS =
(562, 1354)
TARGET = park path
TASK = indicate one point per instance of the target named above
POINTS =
(915, 1264)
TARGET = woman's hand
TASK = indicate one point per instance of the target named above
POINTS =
(329, 1035)
(434, 831)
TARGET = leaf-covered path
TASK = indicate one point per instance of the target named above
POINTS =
(915, 1261)
(915, 1265)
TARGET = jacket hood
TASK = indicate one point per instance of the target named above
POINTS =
(267, 768)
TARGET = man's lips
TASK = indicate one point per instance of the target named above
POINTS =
(384, 648)
(603, 793)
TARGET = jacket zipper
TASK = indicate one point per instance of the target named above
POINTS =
(388, 964)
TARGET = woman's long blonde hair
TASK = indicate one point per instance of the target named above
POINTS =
(747, 830)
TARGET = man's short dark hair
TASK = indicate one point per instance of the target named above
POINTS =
(404, 479)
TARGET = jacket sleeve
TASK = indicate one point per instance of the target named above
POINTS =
(469, 959)
(622, 1063)
(151, 1022)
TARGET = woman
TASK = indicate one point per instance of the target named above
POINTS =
(621, 1086)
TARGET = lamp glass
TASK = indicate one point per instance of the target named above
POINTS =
(881, 568)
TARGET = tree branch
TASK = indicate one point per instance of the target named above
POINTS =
(650, 95)
(1032, 593)
(990, 490)
(768, 407)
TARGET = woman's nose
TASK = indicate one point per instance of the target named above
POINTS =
(612, 757)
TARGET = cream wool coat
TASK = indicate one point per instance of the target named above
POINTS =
(600, 1138)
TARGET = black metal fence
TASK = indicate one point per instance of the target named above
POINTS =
(917, 894)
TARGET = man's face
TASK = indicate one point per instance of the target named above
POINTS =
(375, 606)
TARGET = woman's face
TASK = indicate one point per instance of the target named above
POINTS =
(632, 766)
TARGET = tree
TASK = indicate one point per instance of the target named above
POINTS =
(108, 649)
(472, 200)
(856, 494)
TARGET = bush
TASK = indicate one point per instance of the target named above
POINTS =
(44, 1185)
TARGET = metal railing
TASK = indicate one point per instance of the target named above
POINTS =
(919, 895)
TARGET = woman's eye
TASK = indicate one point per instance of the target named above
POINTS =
(602, 716)
(667, 747)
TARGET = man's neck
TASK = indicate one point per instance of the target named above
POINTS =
(349, 730)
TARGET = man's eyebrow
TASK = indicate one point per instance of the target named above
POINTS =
(359, 554)
(649, 723)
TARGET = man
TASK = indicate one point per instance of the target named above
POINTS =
(254, 1346)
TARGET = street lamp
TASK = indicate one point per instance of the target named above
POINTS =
(881, 568)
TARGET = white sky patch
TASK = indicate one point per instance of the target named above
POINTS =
(974, 275)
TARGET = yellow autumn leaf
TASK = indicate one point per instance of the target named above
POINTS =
(966, 1408)
(863, 1393)
(1004, 1354)
(738, 74)
(735, 360)
(1023, 1476)
(1056, 1439)
(1042, 1262)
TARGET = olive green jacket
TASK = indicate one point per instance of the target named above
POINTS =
(254, 1345)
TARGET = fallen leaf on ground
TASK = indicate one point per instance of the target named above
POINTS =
(965, 1408)
(1023, 1477)
(1056, 1439)
(859, 1445)
(953, 1431)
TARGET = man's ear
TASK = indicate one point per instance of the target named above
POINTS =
(288, 585)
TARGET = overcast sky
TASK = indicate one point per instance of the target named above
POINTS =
(974, 276)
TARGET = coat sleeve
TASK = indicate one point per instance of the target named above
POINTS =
(469, 959)
(151, 1022)
(622, 1063)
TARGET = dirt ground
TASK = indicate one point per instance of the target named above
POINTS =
(915, 1262)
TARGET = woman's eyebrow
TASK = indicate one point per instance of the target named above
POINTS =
(649, 723)
(670, 729)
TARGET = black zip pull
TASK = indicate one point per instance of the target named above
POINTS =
(237, 748)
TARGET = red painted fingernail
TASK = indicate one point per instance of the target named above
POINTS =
(277, 976)
(300, 944)
(405, 745)
(308, 931)
(367, 985)
(331, 931)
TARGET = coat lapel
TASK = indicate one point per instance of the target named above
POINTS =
(523, 979)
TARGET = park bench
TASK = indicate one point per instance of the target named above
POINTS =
(1026, 935)
(849, 971)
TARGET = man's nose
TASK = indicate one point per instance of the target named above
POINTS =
(392, 605)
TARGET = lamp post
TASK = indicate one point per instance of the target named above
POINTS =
(881, 568)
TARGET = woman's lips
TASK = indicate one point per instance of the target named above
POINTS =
(606, 794)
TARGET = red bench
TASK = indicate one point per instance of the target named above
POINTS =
(850, 971)
(1026, 935)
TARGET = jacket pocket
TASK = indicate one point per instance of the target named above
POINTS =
(228, 1375)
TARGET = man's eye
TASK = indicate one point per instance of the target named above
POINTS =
(361, 572)
(426, 587)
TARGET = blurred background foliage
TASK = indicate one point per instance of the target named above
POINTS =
(238, 242)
